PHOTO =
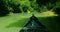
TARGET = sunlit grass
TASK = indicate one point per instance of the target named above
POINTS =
(49, 13)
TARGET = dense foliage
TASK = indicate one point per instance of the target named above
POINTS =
(57, 10)
(20, 6)
(3, 8)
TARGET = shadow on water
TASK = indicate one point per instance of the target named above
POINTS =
(52, 23)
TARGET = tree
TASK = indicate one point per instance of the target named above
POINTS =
(25, 8)
(50, 6)
(14, 6)
(3, 8)
(35, 6)
(44, 2)
(57, 10)
(48, 3)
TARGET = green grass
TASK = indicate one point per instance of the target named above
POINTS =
(14, 22)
